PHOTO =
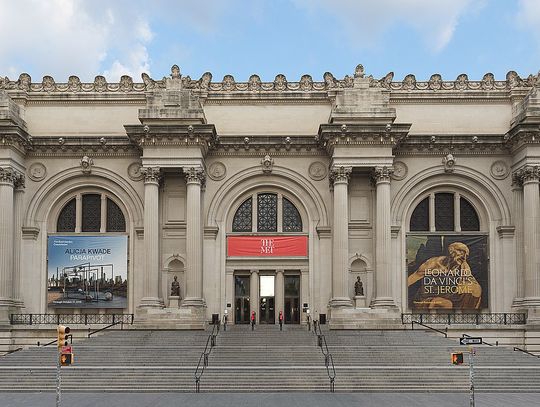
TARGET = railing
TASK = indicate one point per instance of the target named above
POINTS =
(429, 327)
(106, 327)
(470, 319)
(58, 319)
(328, 359)
(525, 351)
(211, 340)
(70, 336)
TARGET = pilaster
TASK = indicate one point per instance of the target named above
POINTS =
(17, 237)
(8, 177)
(254, 293)
(517, 195)
(280, 294)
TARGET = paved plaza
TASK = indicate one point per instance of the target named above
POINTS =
(270, 399)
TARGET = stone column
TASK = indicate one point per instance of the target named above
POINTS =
(195, 178)
(383, 248)
(152, 176)
(530, 176)
(280, 294)
(340, 237)
(517, 192)
(17, 237)
(254, 293)
(8, 177)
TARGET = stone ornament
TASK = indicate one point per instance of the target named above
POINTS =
(267, 164)
(217, 171)
(449, 162)
(134, 172)
(37, 172)
(499, 170)
(400, 171)
(280, 83)
(340, 174)
(175, 287)
(8, 175)
(528, 173)
(317, 171)
(151, 174)
(86, 164)
(382, 174)
(195, 175)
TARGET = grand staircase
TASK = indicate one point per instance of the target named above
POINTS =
(267, 360)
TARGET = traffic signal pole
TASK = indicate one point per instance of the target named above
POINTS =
(471, 375)
(58, 380)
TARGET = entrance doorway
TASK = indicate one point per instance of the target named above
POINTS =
(241, 299)
(267, 301)
(292, 299)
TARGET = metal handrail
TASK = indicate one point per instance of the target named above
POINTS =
(11, 351)
(452, 318)
(429, 327)
(64, 319)
(70, 336)
(211, 340)
(526, 351)
(328, 359)
(106, 327)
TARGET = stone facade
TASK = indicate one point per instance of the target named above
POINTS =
(354, 156)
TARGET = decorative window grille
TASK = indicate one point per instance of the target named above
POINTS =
(292, 222)
(68, 217)
(91, 213)
(444, 212)
(468, 217)
(115, 218)
(420, 217)
(267, 213)
(242, 217)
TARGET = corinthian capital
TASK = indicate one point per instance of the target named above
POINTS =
(528, 173)
(8, 175)
(20, 182)
(340, 174)
(196, 175)
(382, 174)
(151, 174)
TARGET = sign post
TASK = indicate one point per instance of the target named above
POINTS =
(472, 352)
(58, 384)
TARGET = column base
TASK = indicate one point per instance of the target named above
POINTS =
(174, 301)
(339, 302)
(193, 302)
(151, 302)
(532, 305)
(518, 303)
(365, 318)
(383, 302)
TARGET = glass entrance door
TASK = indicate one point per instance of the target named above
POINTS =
(292, 299)
(266, 295)
(241, 299)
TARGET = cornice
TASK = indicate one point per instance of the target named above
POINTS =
(487, 88)
(522, 135)
(466, 144)
(73, 146)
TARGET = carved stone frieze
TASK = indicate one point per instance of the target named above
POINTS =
(134, 171)
(340, 174)
(499, 170)
(317, 171)
(37, 172)
(151, 174)
(217, 171)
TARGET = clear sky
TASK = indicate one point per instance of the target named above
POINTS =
(267, 37)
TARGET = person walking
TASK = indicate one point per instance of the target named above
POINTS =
(253, 320)
(280, 320)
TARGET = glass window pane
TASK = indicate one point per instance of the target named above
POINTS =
(67, 218)
(267, 213)
(292, 286)
(267, 286)
(420, 217)
(241, 286)
(115, 218)
(292, 222)
(91, 213)
(468, 217)
(444, 212)
(242, 217)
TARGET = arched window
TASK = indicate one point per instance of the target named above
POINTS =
(444, 212)
(98, 213)
(273, 213)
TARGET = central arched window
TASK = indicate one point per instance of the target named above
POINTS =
(91, 213)
(271, 213)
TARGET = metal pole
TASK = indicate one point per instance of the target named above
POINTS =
(58, 383)
(471, 375)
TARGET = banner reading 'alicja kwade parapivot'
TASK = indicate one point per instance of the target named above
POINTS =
(87, 271)
(447, 272)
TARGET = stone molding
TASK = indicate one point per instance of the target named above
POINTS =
(195, 175)
(280, 83)
(382, 174)
(340, 175)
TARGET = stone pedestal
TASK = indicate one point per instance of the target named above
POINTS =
(359, 301)
(174, 301)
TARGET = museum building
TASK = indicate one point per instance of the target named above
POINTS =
(350, 201)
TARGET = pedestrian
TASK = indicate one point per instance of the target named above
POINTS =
(280, 320)
(252, 320)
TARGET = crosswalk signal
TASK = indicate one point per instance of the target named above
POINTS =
(63, 333)
(457, 358)
(66, 359)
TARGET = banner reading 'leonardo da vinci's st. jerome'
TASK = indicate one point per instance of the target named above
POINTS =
(447, 272)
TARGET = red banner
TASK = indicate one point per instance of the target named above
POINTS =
(267, 246)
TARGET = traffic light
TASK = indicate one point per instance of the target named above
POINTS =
(66, 359)
(457, 358)
(63, 332)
